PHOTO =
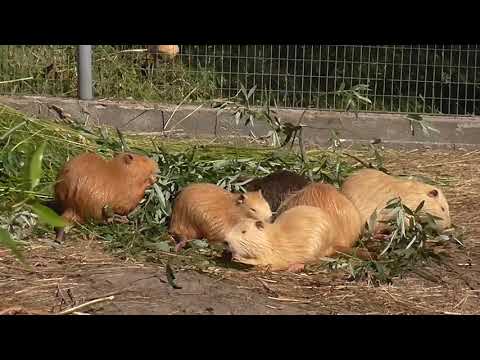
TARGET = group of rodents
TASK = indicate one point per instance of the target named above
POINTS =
(283, 221)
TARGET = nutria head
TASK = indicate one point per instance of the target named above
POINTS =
(247, 239)
(138, 166)
(435, 202)
(255, 206)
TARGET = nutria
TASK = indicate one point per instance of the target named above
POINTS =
(325, 196)
(169, 51)
(207, 211)
(277, 186)
(88, 184)
(299, 236)
(371, 190)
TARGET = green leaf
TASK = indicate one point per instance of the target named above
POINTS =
(251, 91)
(419, 207)
(7, 241)
(162, 246)
(36, 166)
(200, 243)
(122, 140)
(371, 221)
(363, 98)
(48, 216)
(237, 117)
(161, 197)
(407, 210)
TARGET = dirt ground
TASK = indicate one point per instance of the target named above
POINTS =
(80, 273)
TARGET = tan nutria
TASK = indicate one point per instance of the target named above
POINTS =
(277, 186)
(371, 190)
(345, 215)
(299, 236)
(207, 211)
(88, 183)
(169, 51)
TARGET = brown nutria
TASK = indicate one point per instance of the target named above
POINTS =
(207, 211)
(277, 186)
(299, 236)
(88, 183)
(345, 215)
(371, 190)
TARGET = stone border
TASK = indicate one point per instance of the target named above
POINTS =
(201, 121)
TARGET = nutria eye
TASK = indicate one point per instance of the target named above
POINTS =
(253, 209)
(244, 231)
(443, 208)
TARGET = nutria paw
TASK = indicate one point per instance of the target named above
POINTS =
(180, 245)
(381, 236)
(117, 219)
(60, 235)
(295, 268)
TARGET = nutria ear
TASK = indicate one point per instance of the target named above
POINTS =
(259, 224)
(433, 193)
(241, 199)
(128, 158)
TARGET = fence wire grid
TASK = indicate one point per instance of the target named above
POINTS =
(427, 79)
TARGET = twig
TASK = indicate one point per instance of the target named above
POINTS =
(177, 107)
(186, 117)
(446, 163)
(84, 305)
(288, 300)
(359, 160)
(16, 80)
(135, 117)
(117, 292)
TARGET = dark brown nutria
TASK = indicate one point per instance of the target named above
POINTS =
(277, 186)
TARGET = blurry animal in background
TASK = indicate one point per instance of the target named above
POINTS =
(165, 51)
(156, 54)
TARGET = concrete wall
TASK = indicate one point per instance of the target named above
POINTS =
(190, 121)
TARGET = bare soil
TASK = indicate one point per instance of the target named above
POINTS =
(81, 271)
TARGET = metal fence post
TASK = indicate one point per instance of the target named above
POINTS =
(85, 85)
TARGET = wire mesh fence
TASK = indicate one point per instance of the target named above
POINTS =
(428, 79)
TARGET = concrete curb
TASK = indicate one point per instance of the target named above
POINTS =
(200, 121)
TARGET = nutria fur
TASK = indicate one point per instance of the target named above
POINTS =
(277, 186)
(370, 189)
(88, 183)
(207, 211)
(299, 236)
(345, 215)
